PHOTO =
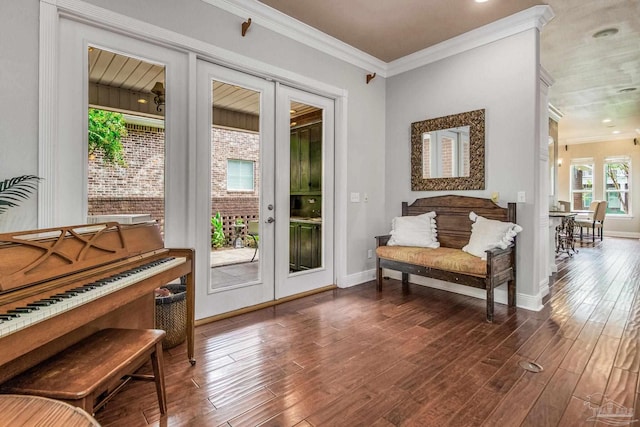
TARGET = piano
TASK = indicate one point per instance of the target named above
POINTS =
(60, 285)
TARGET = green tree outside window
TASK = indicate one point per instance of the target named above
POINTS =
(106, 129)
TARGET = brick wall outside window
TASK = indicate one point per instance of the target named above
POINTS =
(139, 187)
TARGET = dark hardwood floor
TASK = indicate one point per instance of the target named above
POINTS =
(427, 358)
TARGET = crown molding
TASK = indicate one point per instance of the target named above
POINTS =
(555, 113)
(534, 17)
(287, 26)
(597, 138)
(274, 20)
(545, 76)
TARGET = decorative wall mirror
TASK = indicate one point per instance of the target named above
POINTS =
(447, 153)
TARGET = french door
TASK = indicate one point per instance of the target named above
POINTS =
(254, 139)
(235, 163)
(304, 183)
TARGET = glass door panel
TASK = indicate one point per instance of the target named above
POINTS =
(235, 159)
(304, 184)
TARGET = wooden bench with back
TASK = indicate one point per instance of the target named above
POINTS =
(448, 262)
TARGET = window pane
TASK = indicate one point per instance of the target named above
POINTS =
(617, 202)
(581, 186)
(239, 175)
(582, 177)
(616, 181)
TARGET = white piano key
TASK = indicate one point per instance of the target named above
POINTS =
(25, 320)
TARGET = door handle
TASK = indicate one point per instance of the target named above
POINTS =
(270, 220)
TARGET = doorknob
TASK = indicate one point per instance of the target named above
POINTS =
(270, 220)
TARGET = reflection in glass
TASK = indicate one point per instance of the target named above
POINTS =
(445, 153)
(305, 195)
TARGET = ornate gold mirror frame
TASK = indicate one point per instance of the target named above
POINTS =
(475, 180)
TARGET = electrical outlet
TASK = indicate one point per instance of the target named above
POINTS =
(369, 253)
(522, 198)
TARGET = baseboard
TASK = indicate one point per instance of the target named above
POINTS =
(357, 278)
(626, 234)
(528, 302)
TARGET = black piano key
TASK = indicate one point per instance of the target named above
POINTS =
(9, 316)
(64, 296)
(28, 307)
(19, 310)
(39, 304)
(54, 299)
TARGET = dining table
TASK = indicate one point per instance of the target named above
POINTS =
(561, 227)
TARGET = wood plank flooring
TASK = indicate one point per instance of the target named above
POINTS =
(425, 357)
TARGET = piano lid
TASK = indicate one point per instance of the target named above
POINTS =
(30, 257)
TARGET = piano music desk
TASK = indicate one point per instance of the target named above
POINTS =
(104, 361)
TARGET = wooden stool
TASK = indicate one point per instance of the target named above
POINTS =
(88, 369)
(19, 410)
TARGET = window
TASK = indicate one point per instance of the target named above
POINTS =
(581, 184)
(616, 185)
(239, 175)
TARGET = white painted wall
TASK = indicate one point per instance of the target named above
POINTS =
(500, 77)
(19, 106)
(598, 151)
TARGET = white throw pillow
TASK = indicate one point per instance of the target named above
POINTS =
(488, 234)
(419, 230)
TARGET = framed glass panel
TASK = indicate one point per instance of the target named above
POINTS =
(617, 185)
(581, 184)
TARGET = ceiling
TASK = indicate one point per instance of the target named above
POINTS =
(591, 74)
(588, 72)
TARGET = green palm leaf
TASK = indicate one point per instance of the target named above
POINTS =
(14, 190)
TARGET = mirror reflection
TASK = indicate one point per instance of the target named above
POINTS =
(445, 153)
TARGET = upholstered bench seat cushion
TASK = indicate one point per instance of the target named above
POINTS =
(448, 259)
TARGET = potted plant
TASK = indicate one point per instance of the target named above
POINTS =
(217, 233)
(14, 190)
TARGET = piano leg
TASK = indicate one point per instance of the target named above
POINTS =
(190, 282)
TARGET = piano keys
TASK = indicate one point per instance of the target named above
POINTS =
(59, 285)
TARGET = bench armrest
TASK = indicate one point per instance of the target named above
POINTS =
(498, 251)
(382, 240)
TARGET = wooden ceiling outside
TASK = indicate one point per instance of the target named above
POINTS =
(138, 77)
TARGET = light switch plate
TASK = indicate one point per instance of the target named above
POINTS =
(355, 197)
(522, 198)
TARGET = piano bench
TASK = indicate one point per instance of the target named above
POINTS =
(99, 365)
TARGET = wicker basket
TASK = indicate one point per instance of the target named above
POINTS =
(171, 315)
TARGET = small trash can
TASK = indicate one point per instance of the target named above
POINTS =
(171, 315)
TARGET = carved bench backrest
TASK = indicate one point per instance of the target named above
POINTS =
(452, 215)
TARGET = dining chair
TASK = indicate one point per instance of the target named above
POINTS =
(595, 219)
(565, 206)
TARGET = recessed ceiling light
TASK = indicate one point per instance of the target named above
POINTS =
(606, 121)
(627, 90)
(615, 132)
(481, 1)
(605, 33)
(142, 101)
